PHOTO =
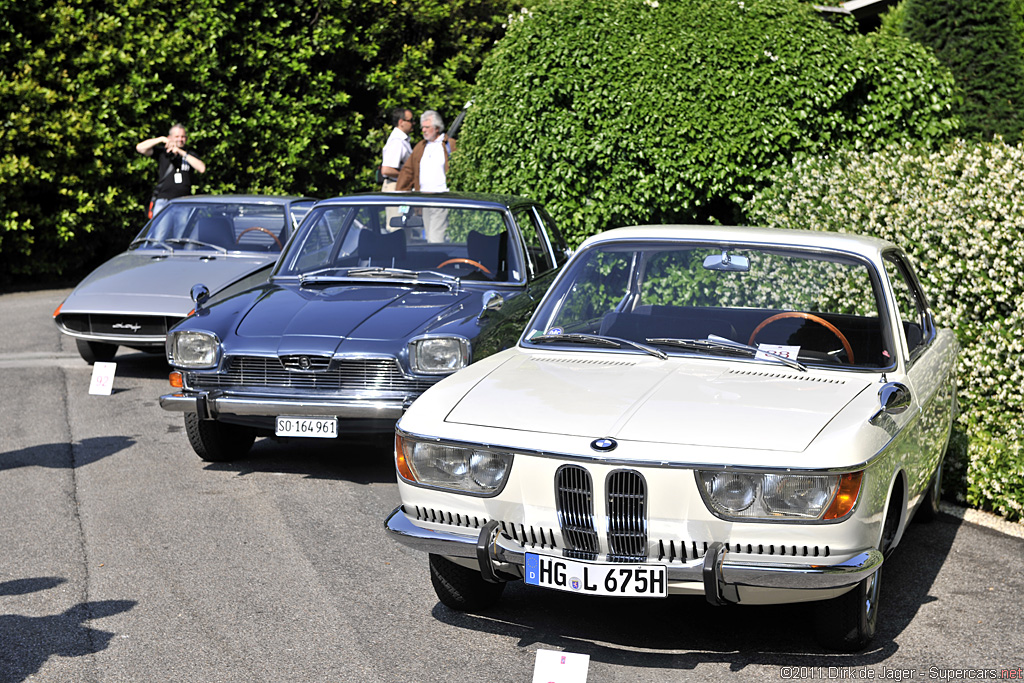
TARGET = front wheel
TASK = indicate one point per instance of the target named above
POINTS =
(217, 441)
(91, 351)
(848, 623)
(462, 588)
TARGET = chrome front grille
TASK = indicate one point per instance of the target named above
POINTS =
(376, 375)
(574, 497)
(626, 492)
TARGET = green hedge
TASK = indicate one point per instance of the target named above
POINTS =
(280, 96)
(982, 43)
(959, 213)
(633, 111)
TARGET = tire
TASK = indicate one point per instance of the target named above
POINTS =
(95, 351)
(461, 588)
(848, 623)
(217, 441)
(928, 510)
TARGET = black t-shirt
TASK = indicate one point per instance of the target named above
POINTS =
(174, 174)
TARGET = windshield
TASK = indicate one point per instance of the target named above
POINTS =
(377, 240)
(221, 226)
(807, 306)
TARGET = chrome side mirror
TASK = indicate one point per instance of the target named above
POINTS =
(493, 301)
(200, 293)
(893, 398)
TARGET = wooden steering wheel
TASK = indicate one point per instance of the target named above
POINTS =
(806, 316)
(272, 235)
(475, 264)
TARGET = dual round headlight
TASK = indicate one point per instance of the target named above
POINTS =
(756, 496)
(470, 469)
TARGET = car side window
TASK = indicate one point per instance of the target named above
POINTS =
(910, 302)
(558, 243)
(538, 257)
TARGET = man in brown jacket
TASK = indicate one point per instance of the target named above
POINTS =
(427, 171)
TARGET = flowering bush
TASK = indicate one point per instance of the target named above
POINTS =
(960, 214)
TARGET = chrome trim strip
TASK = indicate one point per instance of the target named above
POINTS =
(156, 340)
(343, 408)
(632, 463)
(727, 572)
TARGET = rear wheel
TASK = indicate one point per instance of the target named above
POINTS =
(462, 588)
(92, 352)
(215, 441)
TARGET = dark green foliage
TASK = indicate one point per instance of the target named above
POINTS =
(981, 43)
(280, 96)
(624, 111)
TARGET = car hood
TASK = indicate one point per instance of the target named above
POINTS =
(676, 401)
(157, 283)
(320, 319)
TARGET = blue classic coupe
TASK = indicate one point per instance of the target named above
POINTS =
(376, 298)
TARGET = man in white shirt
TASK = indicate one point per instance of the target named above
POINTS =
(397, 149)
(427, 171)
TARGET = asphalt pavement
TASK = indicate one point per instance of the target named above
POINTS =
(123, 557)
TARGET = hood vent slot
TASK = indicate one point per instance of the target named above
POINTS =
(581, 361)
(786, 375)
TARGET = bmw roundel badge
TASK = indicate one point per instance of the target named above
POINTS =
(604, 445)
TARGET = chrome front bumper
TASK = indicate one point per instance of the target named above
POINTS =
(210, 405)
(721, 575)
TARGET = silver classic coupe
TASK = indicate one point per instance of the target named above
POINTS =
(227, 242)
(749, 415)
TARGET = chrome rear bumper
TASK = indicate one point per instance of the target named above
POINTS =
(719, 573)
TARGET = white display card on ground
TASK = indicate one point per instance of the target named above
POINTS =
(560, 667)
(102, 378)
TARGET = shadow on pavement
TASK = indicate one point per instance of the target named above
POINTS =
(28, 642)
(360, 459)
(65, 455)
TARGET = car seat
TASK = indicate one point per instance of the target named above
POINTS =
(489, 251)
(216, 230)
(375, 249)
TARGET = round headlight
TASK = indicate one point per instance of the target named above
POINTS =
(732, 491)
(804, 496)
(488, 469)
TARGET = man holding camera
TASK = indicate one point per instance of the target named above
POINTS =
(174, 166)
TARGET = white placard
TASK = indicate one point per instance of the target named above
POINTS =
(102, 378)
(764, 350)
(560, 667)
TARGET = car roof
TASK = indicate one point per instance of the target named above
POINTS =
(862, 245)
(241, 199)
(464, 199)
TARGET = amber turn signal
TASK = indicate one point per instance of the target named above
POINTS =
(175, 379)
(846, 496)
(401, 464)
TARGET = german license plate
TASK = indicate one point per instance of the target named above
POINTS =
(596, 578)
(316, 427)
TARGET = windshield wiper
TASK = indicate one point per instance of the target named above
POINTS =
(381, 271)
(716, 343)
(150, 240)
(186, 240)
(599, 340)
